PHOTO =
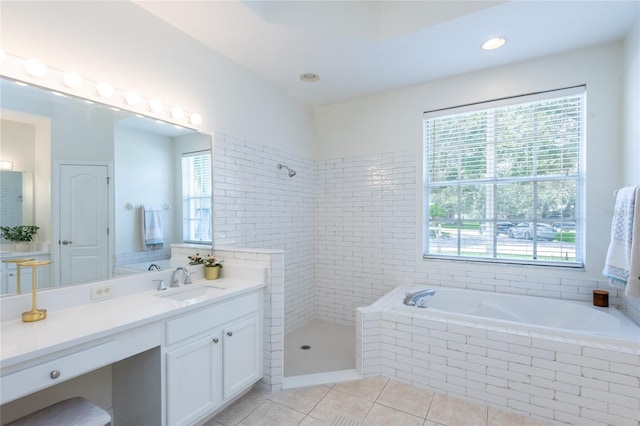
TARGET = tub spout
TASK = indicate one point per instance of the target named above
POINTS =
(417, 298)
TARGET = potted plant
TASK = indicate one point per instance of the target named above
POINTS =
(212, 265)
(20, 235)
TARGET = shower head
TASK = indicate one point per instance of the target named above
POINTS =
(292, 173)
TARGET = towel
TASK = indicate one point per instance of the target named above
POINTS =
(151, 226)
(622, 265)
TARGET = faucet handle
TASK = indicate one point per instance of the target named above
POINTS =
(187, 278)
(161, 285)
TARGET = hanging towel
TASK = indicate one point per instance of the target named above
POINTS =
(622, 265)
(151, 226)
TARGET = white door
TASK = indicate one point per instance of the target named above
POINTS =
(84, 223)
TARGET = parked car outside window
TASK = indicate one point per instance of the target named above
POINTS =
(501, 227)
(564, 226)
(525, 230)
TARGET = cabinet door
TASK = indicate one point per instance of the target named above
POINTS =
(194, 380)
(242, 355)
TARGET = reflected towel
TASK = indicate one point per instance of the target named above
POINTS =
(622, 265)
(151, 226)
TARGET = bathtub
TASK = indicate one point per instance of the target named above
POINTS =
(555, 360)
(530, 311)
(138, 267)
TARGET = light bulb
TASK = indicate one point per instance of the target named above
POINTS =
(195, 119)
(131, 98)
(494, 43)
(155, 105)
(2, 56)
(72, 79)
(35, 68)
(104, 89)
(177, 113)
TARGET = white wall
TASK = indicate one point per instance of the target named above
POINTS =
(143, 174)
(121, 43)
(392, 122)
(631, 131)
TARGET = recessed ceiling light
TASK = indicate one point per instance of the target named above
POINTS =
(309, 77)
(494, 43)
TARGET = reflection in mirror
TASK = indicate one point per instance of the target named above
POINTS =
(16, 198)
(107, 185)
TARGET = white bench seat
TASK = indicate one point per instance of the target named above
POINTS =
(75, 411)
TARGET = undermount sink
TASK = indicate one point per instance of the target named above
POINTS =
(188, 294)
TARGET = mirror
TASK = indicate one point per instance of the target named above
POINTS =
(73, 144)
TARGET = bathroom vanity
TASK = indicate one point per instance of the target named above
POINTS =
(175, 356)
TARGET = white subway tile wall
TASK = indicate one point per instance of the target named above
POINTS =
(257, 205)
(365, 231)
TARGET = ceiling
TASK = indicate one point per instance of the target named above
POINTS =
(359, 48)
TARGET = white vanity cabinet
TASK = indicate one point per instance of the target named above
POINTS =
(212, 355)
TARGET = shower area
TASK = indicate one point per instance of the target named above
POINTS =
(333, 219)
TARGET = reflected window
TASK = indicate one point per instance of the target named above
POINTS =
(196, 197)
(503, 180)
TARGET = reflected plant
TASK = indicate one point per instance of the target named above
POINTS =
(19, 233)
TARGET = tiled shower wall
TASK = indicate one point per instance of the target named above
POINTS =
(259, 206)
(365, 230)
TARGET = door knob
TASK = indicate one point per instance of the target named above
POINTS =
(229, 333)
(65, 242)
(215, 340)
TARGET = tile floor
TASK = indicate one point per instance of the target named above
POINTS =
(332, 348)
(371, 402)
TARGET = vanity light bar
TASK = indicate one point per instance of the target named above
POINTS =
(34, 71)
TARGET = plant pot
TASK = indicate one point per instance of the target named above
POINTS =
(23, 246)
(211, 272)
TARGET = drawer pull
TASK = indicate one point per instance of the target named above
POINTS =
(215, 340)
(54, 374)
(229, 333)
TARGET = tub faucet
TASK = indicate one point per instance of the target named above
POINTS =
(417, 298)
(175, 282)
(154, 267)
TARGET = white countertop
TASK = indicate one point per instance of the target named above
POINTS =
(65, 328)
(20, 254)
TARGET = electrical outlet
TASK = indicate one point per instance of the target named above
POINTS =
(100, 292)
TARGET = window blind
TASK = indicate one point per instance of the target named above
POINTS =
(512, 161)
(196, 197)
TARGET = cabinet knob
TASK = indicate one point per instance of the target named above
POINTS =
(229, 333)
(215, 340)
(54, 374)
(65, 242)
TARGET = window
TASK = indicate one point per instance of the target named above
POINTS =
(196, 197)
(503, 180)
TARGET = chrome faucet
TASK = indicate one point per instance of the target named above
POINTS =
(175, 282)
(417, 298)
(154, 267)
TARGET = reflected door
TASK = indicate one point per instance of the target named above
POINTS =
(84, 223)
